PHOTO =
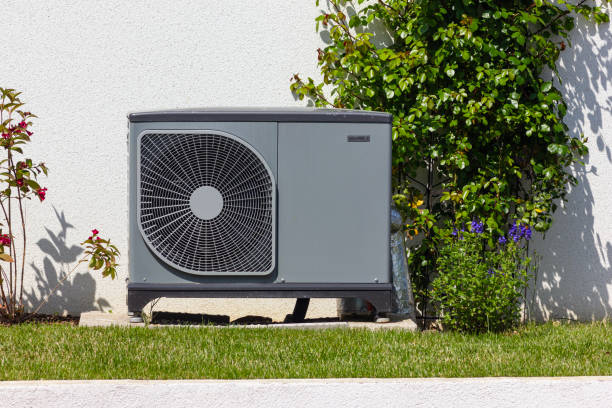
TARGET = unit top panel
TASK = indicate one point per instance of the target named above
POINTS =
(253, 114)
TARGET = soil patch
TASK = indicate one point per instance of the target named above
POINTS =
(43, 319)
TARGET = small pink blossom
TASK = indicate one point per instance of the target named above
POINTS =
(5, 240)
(19, 182)
(42, 192)
(95, 231)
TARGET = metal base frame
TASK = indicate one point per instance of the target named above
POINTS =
(378, 294)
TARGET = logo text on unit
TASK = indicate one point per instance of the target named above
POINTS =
(358, 138)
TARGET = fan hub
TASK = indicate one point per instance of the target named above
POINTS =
(206, 202)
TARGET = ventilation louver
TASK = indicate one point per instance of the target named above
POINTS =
(206, 203)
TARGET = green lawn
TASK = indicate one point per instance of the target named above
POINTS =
(59, 351)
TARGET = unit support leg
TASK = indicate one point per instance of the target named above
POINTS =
(299, 310)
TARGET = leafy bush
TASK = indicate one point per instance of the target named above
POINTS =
(480, 282)
(477, 131)
(19, 183)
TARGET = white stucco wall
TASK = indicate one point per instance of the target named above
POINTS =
(575, 272)
(83, 65)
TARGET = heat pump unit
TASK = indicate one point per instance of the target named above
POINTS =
(269, 203)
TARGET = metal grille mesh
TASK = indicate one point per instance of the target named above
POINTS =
(240, 237)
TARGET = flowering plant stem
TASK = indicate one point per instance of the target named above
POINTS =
(19, 182)
(19, 177)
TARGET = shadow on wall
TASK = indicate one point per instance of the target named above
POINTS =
(575, 275)
(78, 293)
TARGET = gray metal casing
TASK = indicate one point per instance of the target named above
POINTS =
(333, 195)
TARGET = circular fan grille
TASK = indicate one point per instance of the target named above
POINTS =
(206, 203)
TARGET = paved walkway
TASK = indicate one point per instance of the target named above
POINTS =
(583, 392)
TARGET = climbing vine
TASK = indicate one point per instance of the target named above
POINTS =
(478, 129)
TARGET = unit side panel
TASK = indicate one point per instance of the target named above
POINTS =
(334, 202)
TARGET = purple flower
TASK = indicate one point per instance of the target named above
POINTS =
(490, 272)
(502, 240)
(519, 230)
(514, 232)
(477, 226)
(526, 232)
(454, 233)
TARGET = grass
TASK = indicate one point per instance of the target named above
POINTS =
(59, 351)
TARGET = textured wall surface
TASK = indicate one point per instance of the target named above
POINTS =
(575, 272)
(83, 65)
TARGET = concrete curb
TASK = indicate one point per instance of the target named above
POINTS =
(430, 392)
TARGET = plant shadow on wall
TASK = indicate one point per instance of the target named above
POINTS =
(74, 295)
(575, 270)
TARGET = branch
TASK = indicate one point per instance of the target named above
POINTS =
(343, 24)
(314, 91)
(23, 253)
(440, 183)
(417, 181)
(4, 299)
(382, 3)
(557, 18)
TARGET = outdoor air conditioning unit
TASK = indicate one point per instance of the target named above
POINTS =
(269, 203)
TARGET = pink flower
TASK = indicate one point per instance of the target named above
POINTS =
(41, 192)
(6, 136)
(19, 182)
(5, 240)
(23, 124)
(90, 238)
(95, 231)
(98, 239)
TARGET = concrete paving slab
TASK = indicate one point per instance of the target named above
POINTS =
(101, 319)
(564, 392)
(399, 325)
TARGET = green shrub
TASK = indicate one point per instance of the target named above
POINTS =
(480, 282)
(478, 126)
